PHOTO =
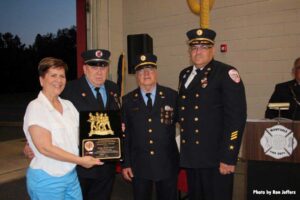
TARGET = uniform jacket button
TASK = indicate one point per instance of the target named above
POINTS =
(152, 152)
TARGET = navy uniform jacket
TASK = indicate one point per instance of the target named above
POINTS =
(286, 92)
(212, 116)
(150, 147)
(80, 94)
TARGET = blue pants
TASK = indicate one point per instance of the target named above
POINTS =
(41, 185)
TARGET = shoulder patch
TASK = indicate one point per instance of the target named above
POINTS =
(234, 75)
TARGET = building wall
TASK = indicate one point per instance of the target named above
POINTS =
(105, 29)
(263, 37)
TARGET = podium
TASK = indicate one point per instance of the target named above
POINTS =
(267, 177)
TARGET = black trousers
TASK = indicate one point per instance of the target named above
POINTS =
(209, 184)
(99, 188)
(165, 189)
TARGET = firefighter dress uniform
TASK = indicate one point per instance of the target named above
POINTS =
(212, 116)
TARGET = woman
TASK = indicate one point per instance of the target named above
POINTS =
(51, 128)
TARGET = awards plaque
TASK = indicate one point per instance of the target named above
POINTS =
(100, 134)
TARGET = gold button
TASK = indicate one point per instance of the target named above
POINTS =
(196, 107)
(183, 141)
(150, 130)
(124, 135)
(197, 95)
(149, 120)
(152, 152)
(150, 141)
(231, 147)
(183, 96)
(196, 119)
(182, 119)
(197, 142)
(182, 108)
(181, 130)
(196, 130)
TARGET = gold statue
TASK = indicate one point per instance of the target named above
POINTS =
(100, 124)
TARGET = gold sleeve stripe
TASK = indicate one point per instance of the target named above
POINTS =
(234, 135)
(233, 138)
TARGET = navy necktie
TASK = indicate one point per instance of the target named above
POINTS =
(99, 97)
(149, 101)
(196, 78)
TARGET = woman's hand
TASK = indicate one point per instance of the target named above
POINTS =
(28, 151)
(88, 161)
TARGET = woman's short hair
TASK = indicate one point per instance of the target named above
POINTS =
(49, 62)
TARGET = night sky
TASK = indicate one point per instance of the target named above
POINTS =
(27, 18)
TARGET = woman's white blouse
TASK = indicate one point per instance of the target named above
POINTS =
(64, 129)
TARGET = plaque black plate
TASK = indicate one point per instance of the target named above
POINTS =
(100, 134)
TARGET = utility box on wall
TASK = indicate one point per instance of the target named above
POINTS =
(137, 44)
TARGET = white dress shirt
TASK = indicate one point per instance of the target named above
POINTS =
(191, 76)
(64, 129)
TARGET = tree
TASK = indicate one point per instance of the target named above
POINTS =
(19, 63)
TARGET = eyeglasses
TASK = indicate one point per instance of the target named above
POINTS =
(201, 47)
(98, 64)
(146, 69)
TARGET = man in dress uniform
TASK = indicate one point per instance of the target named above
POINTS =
(287, 92)
(93, 92)
(212, 117)
(150, 150)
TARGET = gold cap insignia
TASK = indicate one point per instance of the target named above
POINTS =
(143, 58)
(199, 32)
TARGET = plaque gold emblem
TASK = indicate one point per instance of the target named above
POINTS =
(99, 124)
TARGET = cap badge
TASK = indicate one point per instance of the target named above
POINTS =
(143, 58)
(199, 32)
(98, 54)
